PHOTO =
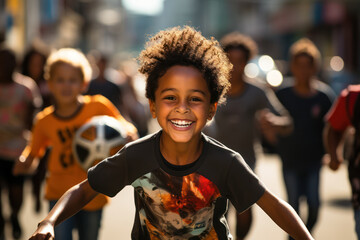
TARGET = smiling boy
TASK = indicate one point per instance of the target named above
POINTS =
(182, 178)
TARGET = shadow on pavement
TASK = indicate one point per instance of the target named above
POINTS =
(339, 202)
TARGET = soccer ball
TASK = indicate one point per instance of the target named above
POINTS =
(98, 139)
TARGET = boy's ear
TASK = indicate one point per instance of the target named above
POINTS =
(212, 110)
(152, 108)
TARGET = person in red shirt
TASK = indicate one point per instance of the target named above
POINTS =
(344, 115)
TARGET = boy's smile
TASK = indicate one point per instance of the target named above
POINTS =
(182, 104)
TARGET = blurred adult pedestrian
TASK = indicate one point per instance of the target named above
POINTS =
(248, 106)
(19, 98)
(137, 110)
(33, 66)
(100, 84)
(307, 100)
(345, 115)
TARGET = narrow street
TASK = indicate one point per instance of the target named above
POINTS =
(335, 220)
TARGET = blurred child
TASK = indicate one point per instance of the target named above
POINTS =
(307, 100)
(19, 98)
(101, 84)
(182, 178)
(137, 109)
(67, 72)
(248, 105)
(33, 66)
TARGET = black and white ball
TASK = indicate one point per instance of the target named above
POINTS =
(98, 139)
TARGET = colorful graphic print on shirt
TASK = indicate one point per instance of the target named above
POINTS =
(177, 207)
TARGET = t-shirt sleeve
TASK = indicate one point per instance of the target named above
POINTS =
(110, 175)
(338, 116)
(243, 185)
(38, 140)
(261, 99)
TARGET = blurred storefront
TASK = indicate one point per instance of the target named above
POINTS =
(122, 27)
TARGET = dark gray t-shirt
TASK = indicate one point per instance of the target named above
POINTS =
(235, 122)
(179, 202)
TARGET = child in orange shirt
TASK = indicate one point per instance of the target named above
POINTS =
(68, 73)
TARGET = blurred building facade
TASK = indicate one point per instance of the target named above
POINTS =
(122, 27)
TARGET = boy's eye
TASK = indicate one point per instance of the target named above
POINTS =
(195, 99)
(73, 80)
(169, 98)
(59, 80)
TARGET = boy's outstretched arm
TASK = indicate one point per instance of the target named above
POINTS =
(70, 203)
(284, 216)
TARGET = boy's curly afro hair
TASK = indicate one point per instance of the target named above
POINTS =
(186, 47)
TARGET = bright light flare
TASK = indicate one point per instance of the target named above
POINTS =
(144, 7)
(251, 70)
(337, 63)
(274, 78)
(266, 63)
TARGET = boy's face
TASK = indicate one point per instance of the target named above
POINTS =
(36, 65)
(66, 83)
(182, 103)
(237, 57)
(303, 68)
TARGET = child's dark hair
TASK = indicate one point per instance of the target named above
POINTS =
(187, 47)
(236, 40)
(27, 58)
(8, 58)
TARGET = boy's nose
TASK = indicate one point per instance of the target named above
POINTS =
(182, 108)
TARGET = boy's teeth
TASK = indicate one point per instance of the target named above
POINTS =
(181, 123)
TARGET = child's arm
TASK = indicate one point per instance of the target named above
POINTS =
(333, 141)
(284, 216)
(25, 165)
(272, 125)
(70, 203)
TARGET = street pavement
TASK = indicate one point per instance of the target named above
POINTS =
(335, 219)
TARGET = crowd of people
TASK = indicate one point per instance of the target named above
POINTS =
(209, 115)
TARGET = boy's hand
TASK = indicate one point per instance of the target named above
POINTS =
(267, 125)
(334, 164)
(23, 166)
(45, 231)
